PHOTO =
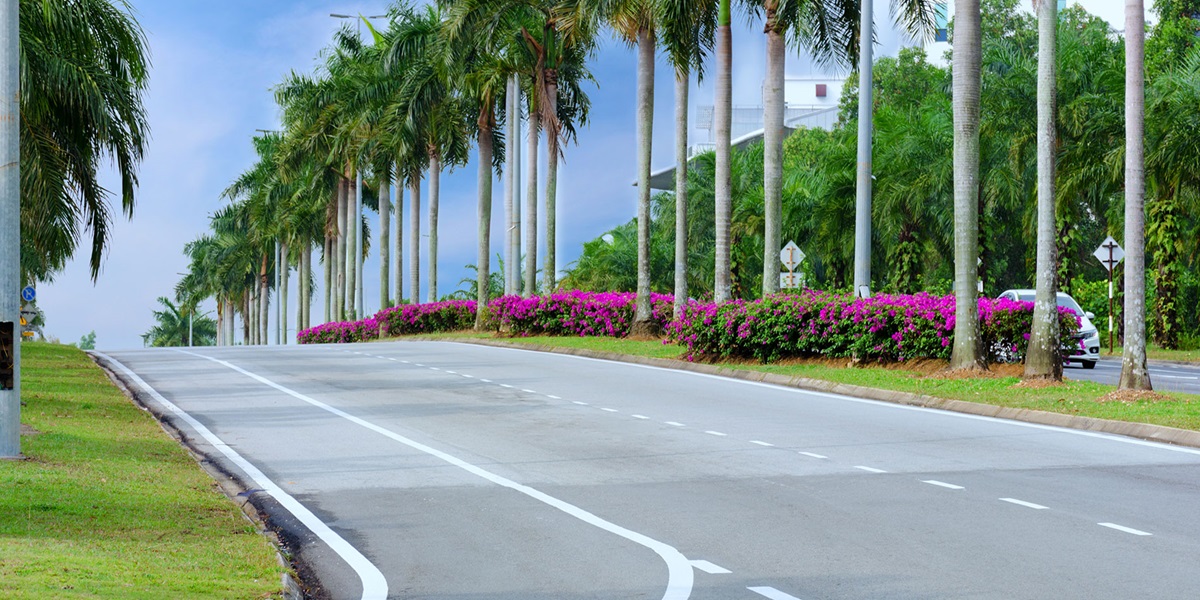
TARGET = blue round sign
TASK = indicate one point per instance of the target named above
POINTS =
(28, 294)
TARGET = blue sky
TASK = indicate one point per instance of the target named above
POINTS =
(214, 63)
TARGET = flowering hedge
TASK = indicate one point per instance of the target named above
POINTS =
(886, 327)
(406, 319)
(340, 332)
(574, 313)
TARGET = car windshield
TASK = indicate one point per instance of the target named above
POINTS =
(1064, 301)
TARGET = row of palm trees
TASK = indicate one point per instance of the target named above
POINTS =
(438, 78)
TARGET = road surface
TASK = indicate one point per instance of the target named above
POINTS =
(444, 471)
(1165, 376)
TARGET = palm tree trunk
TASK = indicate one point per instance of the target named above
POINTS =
(327, 256)
(264, 300)
(339, 296)
(414, 235)
(246, 339)
(531, 188)
(966, 353)
(435, 180)
(722, 114)
(512, 248)
(385, 240)
(1043, 360)
(399, 207)
(1134, 374)
(305, 294)
(284, 271)
(550, 274)
(682, 87)
(773, 153)
(484, 238)
(642, 324)
(230, 315)
(352, 231)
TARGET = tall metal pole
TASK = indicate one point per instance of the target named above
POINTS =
(862, 212)
(358, 244)
(1112, 266)
(278, 304)
(10, 230)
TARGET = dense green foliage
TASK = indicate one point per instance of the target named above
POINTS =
(84, 67)
(912, 208)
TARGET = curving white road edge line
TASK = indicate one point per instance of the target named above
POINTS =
(374, 585)
(680, 576)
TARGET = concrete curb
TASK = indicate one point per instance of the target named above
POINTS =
(1145, 431)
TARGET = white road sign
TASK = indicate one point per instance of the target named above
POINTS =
(791, 255)
(1109, 253)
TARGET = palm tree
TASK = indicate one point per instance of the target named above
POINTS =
(722, 115)
(636, 22)
(427, 106)
(1044, 360)
(967, 352)
(84, 70)
(1134, 374)
(180, 325)
(687, 33)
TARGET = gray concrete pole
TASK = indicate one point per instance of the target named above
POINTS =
(10, 227)
(358, 245)
(278, 304)
(862, 212)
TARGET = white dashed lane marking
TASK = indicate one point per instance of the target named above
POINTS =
(716, 433)
(869, 469)
(812, 455)
(762, 443)
(949, 486)
(674, 424)
(1024, 503)
(772, 593)
(579, 403)
(609, 410)
(1124, 528)
(639, 416)
(553, 397)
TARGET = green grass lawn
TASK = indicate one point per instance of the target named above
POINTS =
(110, 506)
(1072, 397)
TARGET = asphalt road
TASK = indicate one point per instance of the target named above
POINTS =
(1165, 376)
(449, 471)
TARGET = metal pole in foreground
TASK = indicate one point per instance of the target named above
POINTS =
(358, 246)
(10, 233)
(1111, 267)
(862, 212)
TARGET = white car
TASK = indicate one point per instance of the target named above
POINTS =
(1089, 353)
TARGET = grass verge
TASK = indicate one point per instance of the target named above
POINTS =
(109, 506)
(1072, 397)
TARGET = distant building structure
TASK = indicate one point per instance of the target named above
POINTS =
(810, 102)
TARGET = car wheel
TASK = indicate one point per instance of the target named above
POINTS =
(1088, 364)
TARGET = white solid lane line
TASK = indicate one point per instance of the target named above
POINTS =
(1024, 503)
(949, 486)
(710, 568)
(1125, 529)
(772, 593)
(374, 584)
(762, 443)
(810, 454)
(870, 469)
(680, 575)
